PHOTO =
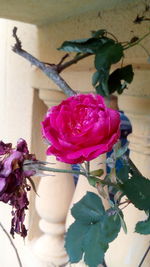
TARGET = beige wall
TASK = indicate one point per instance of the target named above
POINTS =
(16, 98)
(15, 89)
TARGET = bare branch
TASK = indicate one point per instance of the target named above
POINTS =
(48, 70)
(18, 42)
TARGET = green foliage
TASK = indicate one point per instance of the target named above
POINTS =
(74, 240)
(94, 246)
(93, 180)
(110, 225)
(123, 224)
(137, 189)
(102, 87)
(99, 33)
(119, 79)
(84, 211)
(92, 230)
(110, 53)
(143, 227)
(98, 172)
(107, 55)
(107, 52)
(88, 45)
(123, 172)
(96, 78)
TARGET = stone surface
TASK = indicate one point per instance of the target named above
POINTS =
(39, 12)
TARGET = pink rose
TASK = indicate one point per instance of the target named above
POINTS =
(80, 128)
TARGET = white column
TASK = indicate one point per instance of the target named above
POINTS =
(137, 108)
(55, 194)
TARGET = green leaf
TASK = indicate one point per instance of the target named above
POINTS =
(89, 209)
(96, 77)
(99, 33)
(110, 53)
(110, 226)
(93, 180)
(94, 246)
(137, 189)
(91, 237)
(98, 236)
(74, 240)
(124, 74)
(89, 45)
(102, 87)
(143, 227)
(123, 172)
(123, 224)
(98, 172)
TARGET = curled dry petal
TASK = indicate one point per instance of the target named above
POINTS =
(13, 182)
(4, 148)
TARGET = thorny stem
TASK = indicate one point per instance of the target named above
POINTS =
(60, 170)
(144, 257)
(49, 70)
(15, 249)
(87, 167)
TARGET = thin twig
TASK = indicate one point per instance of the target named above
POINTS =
(124, 202)
(126, 205)
(15, 249)
(63, 59)
(113, 36)
(146, 50)
(48, 70)
(136, 42)
(73, 61)
(144, 257)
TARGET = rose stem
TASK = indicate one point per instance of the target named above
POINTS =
(41, 168)
(15, 249)
(104, 263)
(144, 257)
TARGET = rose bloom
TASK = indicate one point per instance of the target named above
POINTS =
(80, 128)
